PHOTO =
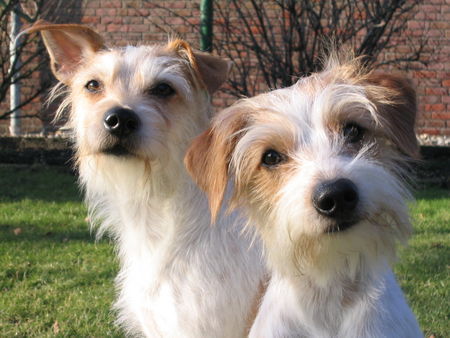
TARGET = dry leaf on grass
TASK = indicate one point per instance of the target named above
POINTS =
(55, 327)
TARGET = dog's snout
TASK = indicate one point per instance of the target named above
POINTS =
(336, 198)
(121, 122)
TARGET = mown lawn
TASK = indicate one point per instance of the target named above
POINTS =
(56, 280)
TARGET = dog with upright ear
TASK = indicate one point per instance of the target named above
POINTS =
(133, 111)
(69, 45)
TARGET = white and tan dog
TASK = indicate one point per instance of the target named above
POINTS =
(318, 167)
(134, 111)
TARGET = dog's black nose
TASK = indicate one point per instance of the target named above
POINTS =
(336, 198)
(121, 122)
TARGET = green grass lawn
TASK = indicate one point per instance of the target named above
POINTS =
(56, 280)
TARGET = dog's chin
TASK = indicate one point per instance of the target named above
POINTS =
(118, 150)
(341, 226)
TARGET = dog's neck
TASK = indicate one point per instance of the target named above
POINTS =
(152, 193)
(333, 283)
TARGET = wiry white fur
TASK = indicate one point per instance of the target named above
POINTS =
(179, 275)
(324, 284)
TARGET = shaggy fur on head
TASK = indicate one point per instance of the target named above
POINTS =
(179, 276)
(330, 278)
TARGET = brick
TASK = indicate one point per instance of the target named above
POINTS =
(139, 12)
(424, 74)
(106, 12)
(175, 4)
(431, 131)
(88, 11)
(415, 24)
(111, 4)
(109, 20)
(441, 24)
(138, 28)
(430, 9)
(175, 21)
(135, 3)
(436, 124)
(446, 83)
(430, 99)
(91, 4)
(433, 32)
(117, 28)
(441, 115)
(132, 20)
(435, 107)
(435, 91)
(90, 19)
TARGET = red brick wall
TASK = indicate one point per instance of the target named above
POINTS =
(433, 82)
(125, 22)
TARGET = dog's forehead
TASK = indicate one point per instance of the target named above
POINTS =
(132, 60)
(136, 69)
(304, 111)
(320, 100)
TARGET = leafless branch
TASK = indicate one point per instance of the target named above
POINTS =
(273, 43)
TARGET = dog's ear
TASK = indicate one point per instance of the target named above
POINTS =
(213, 70)
(207, 159)
(68, 45)
(399, 111)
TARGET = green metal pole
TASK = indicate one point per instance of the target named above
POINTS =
(206, 25)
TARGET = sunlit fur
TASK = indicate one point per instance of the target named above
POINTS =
(179, 276)
(323, 284)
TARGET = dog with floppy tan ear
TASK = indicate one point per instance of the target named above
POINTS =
(133, 112)
(319, 169)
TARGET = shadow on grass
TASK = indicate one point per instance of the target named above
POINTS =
(432, 193)
(45, 183)
(29, 233)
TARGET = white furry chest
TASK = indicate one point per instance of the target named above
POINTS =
(184, 279)
(290, 310)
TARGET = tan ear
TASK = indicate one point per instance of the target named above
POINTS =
(399, 111)
(212, 70)
(206, 161)
(68, 45)
(208, 157)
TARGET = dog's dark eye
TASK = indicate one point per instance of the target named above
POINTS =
(162, 90)
(93, 86)
(352, 132)
(271, 158)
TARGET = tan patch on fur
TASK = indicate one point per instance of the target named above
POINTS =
(207, 160)
(260, 185)
(184, 50)
(212, 70)
(398, 111)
